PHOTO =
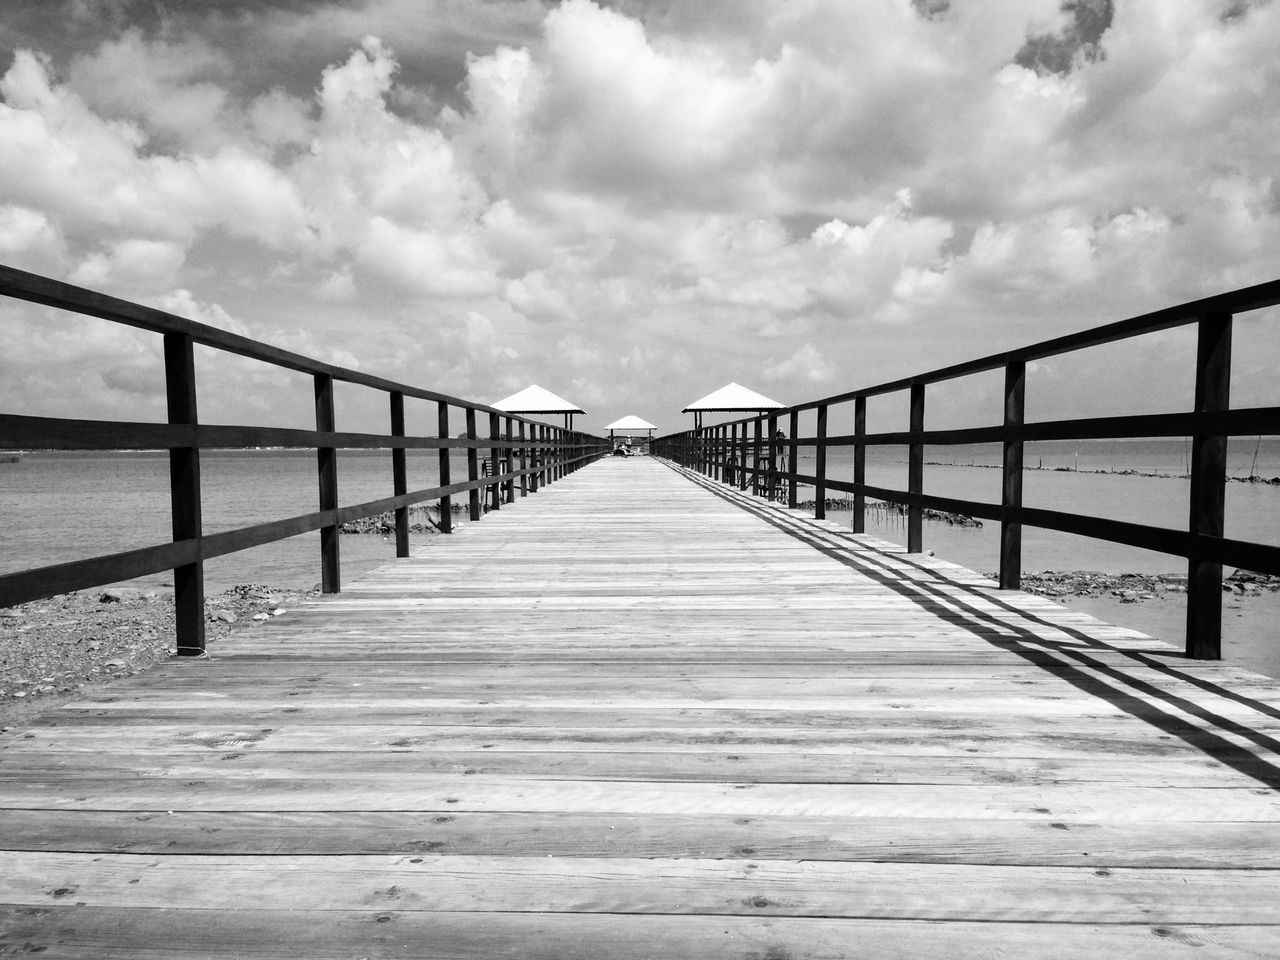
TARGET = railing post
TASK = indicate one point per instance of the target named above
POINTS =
(739, 477)
(509, 462)
(524, 463)
(915, 471)
(793, 457)
(184, 494)
(820, 466)
(473, 466)
(757, 453)
(327, 464)
(495, 489)
(1015, 400)
(446, 500)
(535, 457)
(399, 478)
(544, 456)
(859, 521)
(771, 476)
(1208, 488)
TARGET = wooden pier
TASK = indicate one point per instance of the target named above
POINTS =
(639, 714)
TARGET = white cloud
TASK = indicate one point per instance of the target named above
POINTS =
(338, 286)
(185, 304)
(807, 365)
(131, 263)
(28, 235)
(168, 88)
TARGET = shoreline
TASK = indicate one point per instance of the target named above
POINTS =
(1109, 472)
(1135, 587)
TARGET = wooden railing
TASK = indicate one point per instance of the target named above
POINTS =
(521, 453)
(745, 452)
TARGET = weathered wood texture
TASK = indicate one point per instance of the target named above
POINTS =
(642, 715)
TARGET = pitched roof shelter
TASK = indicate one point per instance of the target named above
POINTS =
(731, 398)
(631, 423)
(534, 400)
(629, 426)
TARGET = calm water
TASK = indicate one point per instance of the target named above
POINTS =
(56, 507)
(69, 506)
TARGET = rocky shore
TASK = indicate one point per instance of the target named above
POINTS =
(1136, 587)
(422, 519)
(896, 509)
(52, 650)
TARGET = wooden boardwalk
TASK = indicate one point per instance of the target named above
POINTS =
(635, 716)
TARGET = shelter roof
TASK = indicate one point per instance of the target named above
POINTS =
(732, 398)
(631, 423)
(534, 399)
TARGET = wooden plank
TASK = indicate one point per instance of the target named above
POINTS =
(1092, 802)
(560, 762)
(256, 934)
(611, 885)
(1136, 844)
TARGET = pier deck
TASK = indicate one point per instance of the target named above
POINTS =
(635, 715)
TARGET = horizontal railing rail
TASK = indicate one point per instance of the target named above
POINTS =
(521, 455)
(746, 452)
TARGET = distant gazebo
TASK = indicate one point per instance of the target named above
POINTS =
(731, 398)
(535, 401)
(628, 427)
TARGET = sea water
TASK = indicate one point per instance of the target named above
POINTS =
(58, 507)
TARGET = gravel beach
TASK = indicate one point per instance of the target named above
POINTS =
(56, 649)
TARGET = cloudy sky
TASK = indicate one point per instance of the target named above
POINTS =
(632, 203)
